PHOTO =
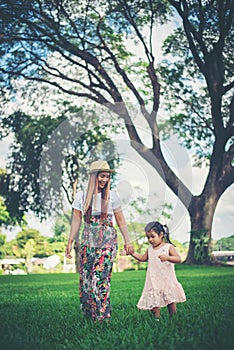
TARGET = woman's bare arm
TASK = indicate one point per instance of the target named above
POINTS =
(74, 231)
(120, 220)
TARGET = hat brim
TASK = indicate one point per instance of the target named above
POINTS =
(101, 171)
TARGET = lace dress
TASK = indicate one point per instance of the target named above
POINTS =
(161, 285)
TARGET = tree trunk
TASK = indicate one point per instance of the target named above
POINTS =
(201, 212)
(28, 265)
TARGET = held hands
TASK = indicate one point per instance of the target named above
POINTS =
(128, 249)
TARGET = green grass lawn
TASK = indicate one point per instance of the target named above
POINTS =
(42, 312)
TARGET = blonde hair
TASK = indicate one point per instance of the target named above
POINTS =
(92, 192)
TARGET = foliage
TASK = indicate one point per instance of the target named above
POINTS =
(56, 247)
(46, 157)
(61, 228)
(2, 246)
(201, 248)
(5, 220)
(186, 91)
(10, 247)
(64, 29)
(82, 49)
(5, 217)
(61, 232)
(138, 208)
(47, 302)
(23, 185)
(30, 241)
(226, 243)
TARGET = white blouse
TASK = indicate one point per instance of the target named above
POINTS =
(114, 202)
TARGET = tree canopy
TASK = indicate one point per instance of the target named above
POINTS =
(89, 40)
(45, 159)
(225, 243)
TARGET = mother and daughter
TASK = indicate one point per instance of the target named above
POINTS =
(97, 206)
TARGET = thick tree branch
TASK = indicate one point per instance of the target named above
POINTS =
(191, 33)
(156, 159)
(227, 88)
(225, 20)
(231, 109)
(123, 74)
(16, 71)
(221, 170)
(131, 20)
(151, 27)
(227, 176)
(61, 41)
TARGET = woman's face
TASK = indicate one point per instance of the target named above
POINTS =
(102, 179)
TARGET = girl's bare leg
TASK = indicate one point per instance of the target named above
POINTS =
(156, 311)
(172, 308)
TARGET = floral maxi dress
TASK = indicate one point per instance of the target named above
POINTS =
(98, 250)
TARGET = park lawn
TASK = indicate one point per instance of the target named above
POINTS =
(42, 312)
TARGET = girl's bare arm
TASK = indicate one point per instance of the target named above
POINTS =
(140, 257)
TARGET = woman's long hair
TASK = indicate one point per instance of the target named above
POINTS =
(91, 197)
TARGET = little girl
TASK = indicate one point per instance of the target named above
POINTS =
(161, 286)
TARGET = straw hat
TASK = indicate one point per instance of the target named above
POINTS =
(100, 165)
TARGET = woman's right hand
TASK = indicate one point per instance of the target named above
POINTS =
(68, 250)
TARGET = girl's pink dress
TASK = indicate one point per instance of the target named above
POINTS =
(161, 286)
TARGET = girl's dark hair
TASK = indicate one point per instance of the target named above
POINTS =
(157, 227)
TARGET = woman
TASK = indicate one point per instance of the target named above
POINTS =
(99, 239)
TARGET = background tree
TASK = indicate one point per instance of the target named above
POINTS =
(5, 218)
(2, 245)
(5, 221)
(28, 252)
(42, 170)
(61, 233)
(61, 228)
(202, 83)
(226, 243)
(89, 39)
(34, 236)
(22, 177)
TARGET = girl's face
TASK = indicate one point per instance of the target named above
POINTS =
(154, 238)
(102, 179)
